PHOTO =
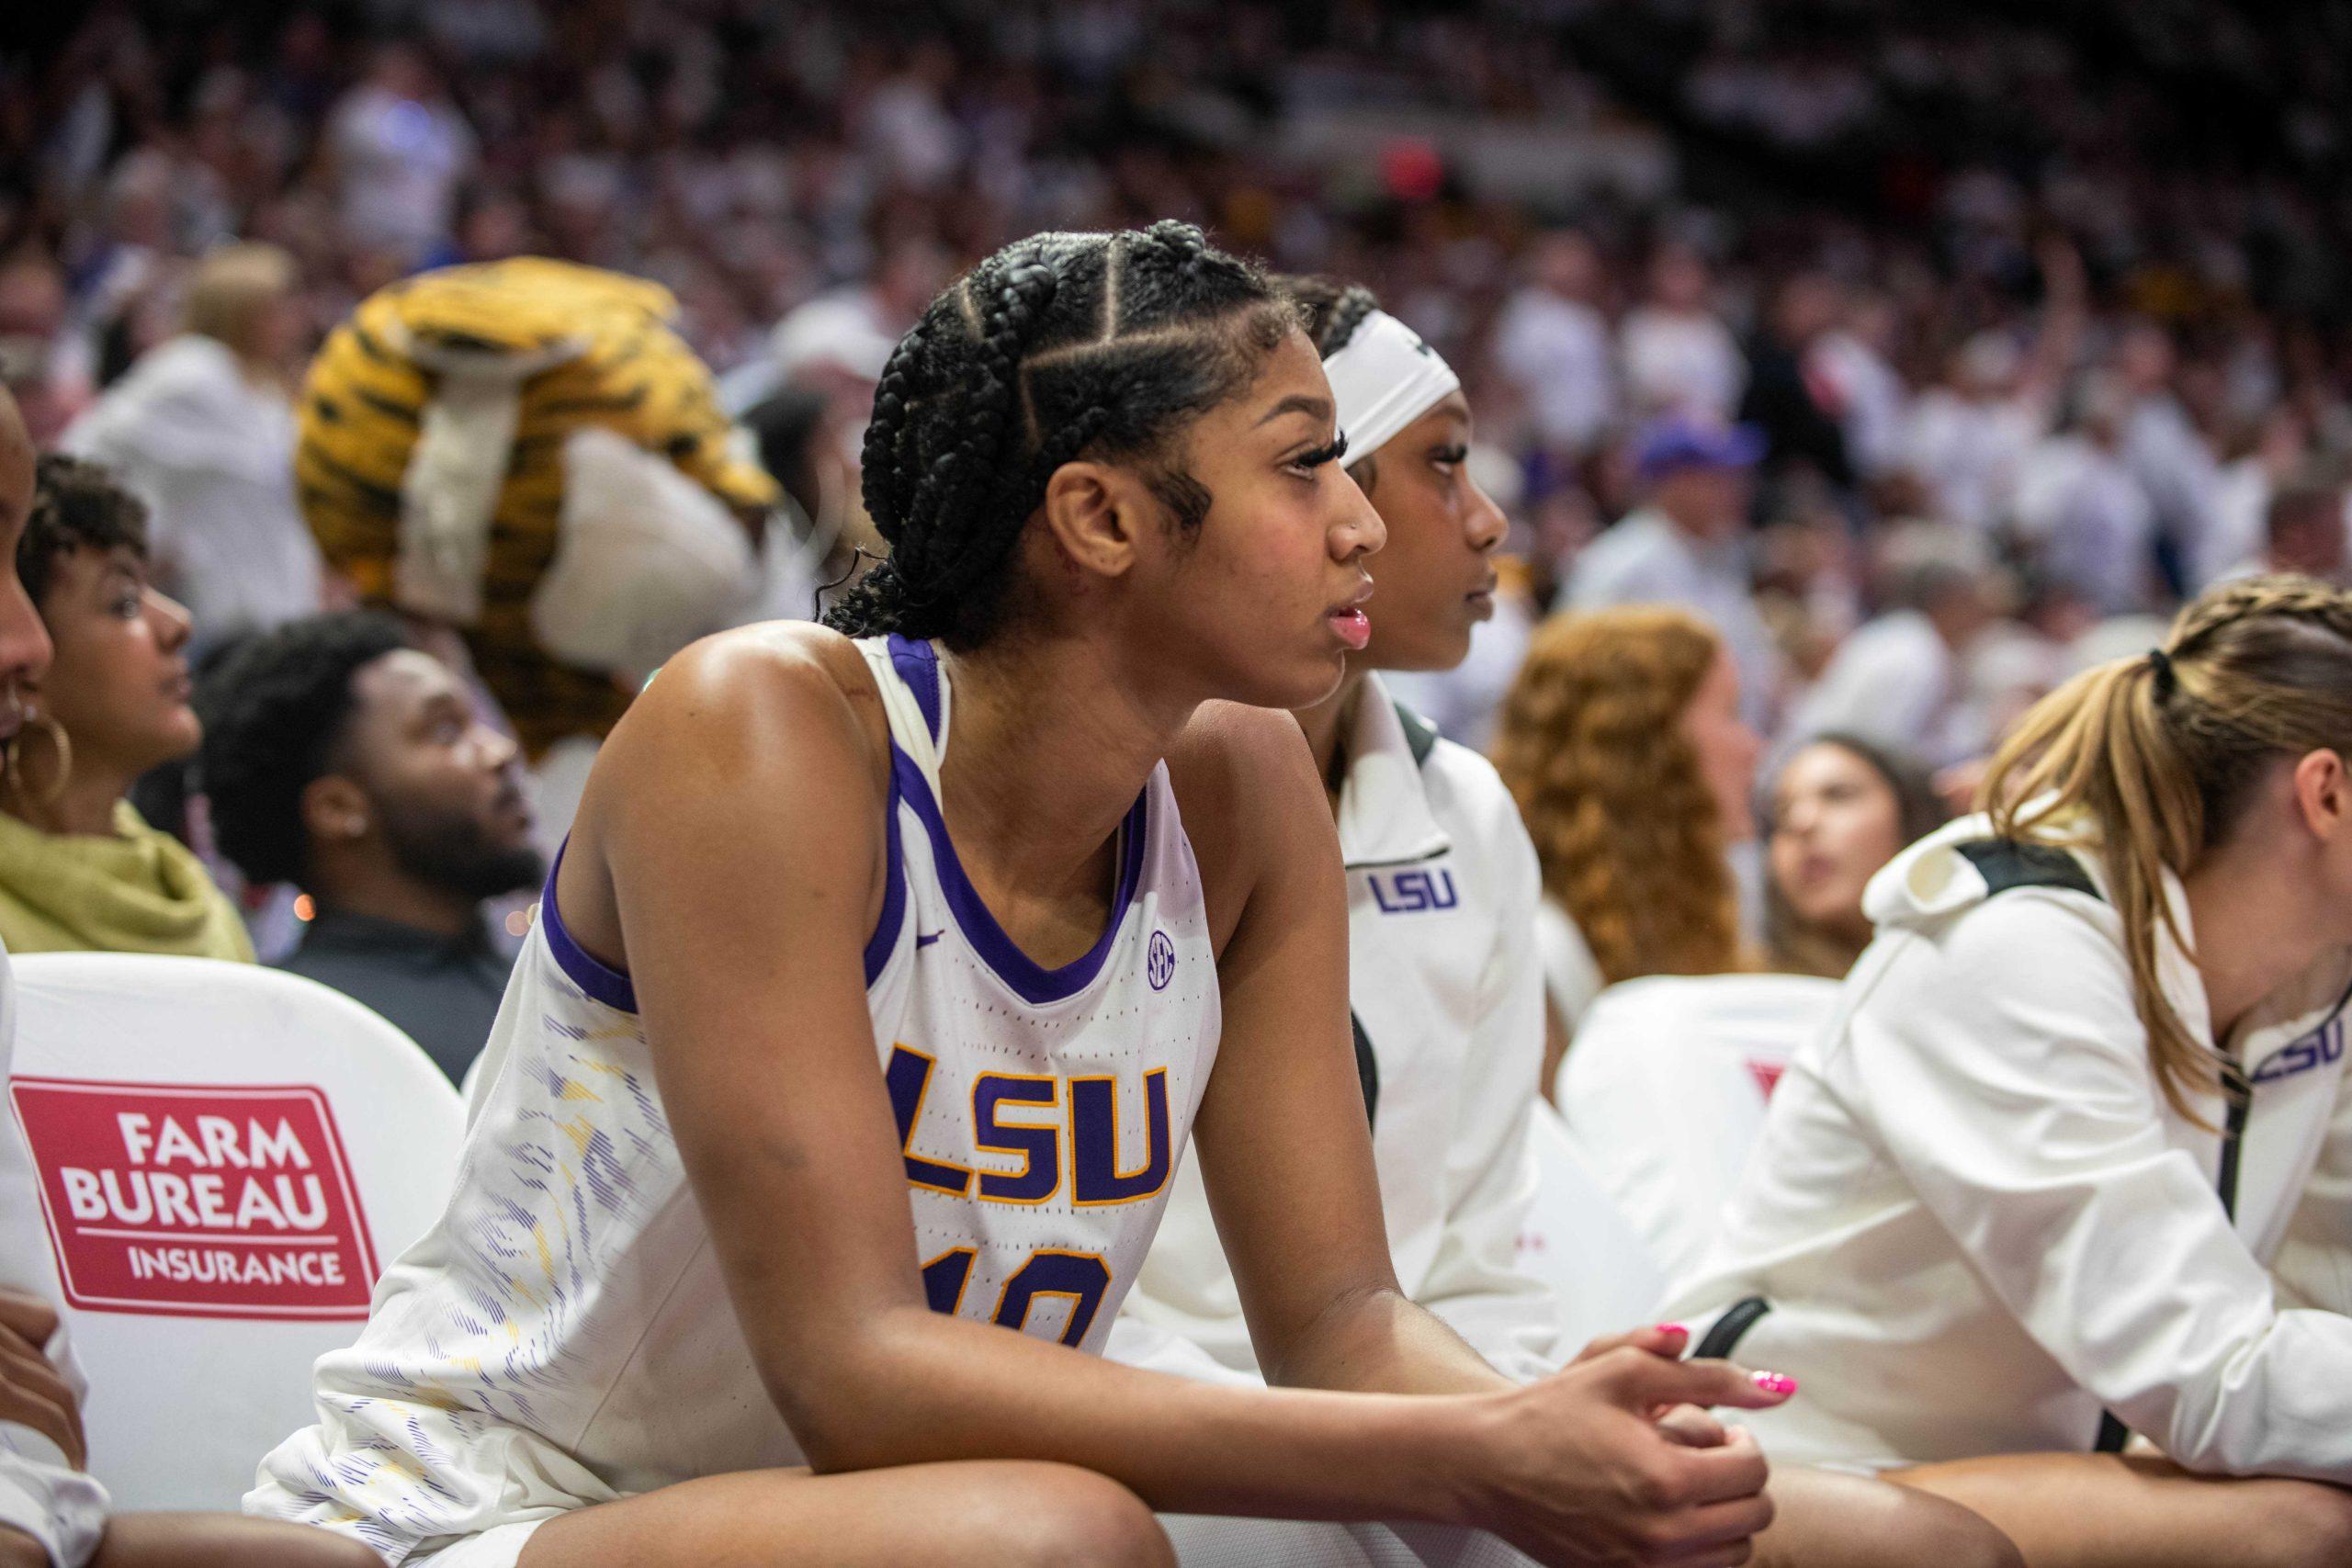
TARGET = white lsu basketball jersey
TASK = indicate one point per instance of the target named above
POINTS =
(563, 1337)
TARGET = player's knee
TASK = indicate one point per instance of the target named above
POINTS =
(1074, 1516)
(1974, 1544)
(331, 1550)
(2305, 1524)
(1938, 1530)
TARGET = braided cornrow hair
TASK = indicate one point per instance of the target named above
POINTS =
(1332, 310)
(2151, 760)
(1058, 346)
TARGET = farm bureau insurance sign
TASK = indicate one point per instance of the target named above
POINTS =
(198, 1202)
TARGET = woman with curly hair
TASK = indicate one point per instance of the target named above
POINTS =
(79, 869)
(1623, 743)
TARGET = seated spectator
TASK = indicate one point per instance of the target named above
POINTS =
(1679, 356)
(2304, 530)
(48, 380)
(2275, 451)
(1841, 807)
(1552, 342)
(1900, 679)
(79, 868)
(1786, 396)
(1687, 545)
(202, 429)
(1622, 742)
(2081, 510)
(52, 1514)
(344, 761)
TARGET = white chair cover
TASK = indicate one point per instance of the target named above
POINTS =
(1577, 1242)
(228, 1156)
(1664, 1091)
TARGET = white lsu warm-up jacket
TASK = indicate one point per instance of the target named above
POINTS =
(1972, 1226)
(1448, 1003)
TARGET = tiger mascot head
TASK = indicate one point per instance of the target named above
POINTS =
(526, 452)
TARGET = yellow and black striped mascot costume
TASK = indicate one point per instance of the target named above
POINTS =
(444, 424)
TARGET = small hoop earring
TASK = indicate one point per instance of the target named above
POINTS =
(15, 768)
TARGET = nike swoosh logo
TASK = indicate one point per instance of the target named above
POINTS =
(923, 941)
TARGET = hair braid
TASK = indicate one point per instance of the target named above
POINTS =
(877, 602)
(961, 488)
(2149, 774)
(1057, 347)
(1328, 309)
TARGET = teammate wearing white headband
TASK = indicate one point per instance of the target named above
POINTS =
(1447, 996)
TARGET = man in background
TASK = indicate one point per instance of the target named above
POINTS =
(1900, 680)
(342, 760)
(2305, 530)
(1687, 545)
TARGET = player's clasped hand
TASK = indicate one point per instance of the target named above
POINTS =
(33, 1392)
(1585, 1472)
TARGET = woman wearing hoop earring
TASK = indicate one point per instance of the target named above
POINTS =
(79, 868)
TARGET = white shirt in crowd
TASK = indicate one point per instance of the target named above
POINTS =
(1681, 362)
(1975, 1224)
(1970, 453)
(1442, 893)
(399, 161)
(1556, 350)
(2081, 506)
(41, 1496)
(2239, 537)
(213, 455)
(2169, 456)
(1897, 681)
(1647, 558)
(1872, 403)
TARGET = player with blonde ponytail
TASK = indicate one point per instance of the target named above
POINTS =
(2162, 752)
(2072, 1162)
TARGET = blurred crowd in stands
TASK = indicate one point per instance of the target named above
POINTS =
(1925, 353)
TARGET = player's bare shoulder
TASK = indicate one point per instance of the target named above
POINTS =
(742, 701)
(1246, 788)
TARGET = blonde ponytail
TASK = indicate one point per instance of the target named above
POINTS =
(2146, 761)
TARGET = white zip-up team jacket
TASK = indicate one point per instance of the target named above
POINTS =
(1448, 1003)
(1972, 1226)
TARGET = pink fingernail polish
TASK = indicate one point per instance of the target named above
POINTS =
(1673, 1328)
(1776, 1382)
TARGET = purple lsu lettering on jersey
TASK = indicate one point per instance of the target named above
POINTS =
(2314, 1050)
(1084, 1144)
(1413, 892)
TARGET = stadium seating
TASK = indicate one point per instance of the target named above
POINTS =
(228, 1156)
(1665, 1088)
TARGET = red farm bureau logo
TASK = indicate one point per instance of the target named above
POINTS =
(202, 1202)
